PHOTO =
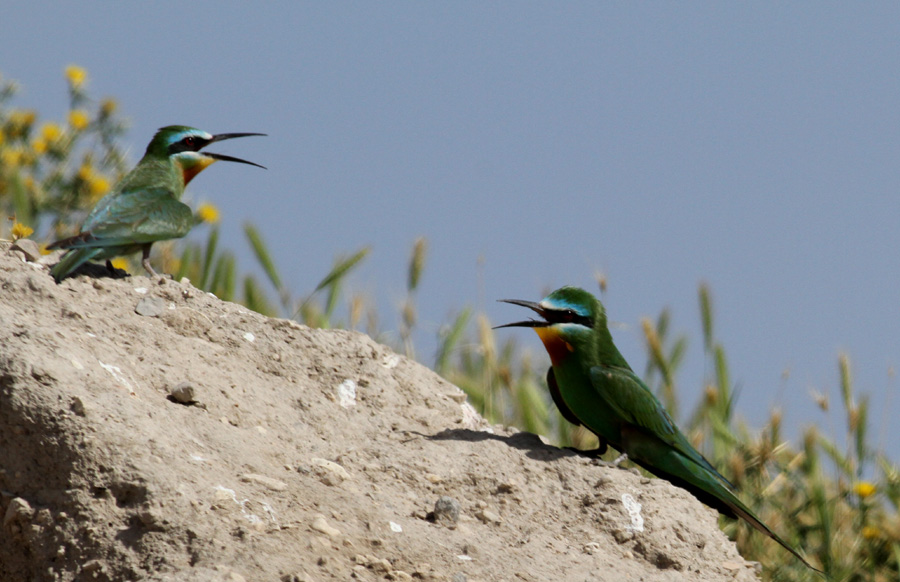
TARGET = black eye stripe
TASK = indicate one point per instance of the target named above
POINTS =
(191, 143)
(568, 316)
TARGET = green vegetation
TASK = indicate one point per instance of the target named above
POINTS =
(814, 494)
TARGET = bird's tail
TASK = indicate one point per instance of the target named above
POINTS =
(675, 463)
(72, 260)
(78, 240)
(744, 512)
(712, 489)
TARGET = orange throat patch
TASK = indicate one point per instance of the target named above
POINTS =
(557, 347)
(189, 171)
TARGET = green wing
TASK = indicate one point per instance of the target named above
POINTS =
(140, 216)
(640, 411)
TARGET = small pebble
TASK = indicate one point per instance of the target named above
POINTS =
(184, 393)
(488, 516)
(268, 482)
(18, 510)
(329, 472)
(150, 307)
(446, 511)
(320, 525)
(457, 396)
(77, 406)
(29, 248)
(381, 566)
(346, 392)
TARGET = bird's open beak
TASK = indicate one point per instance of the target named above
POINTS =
(536, 307)
(223, 157)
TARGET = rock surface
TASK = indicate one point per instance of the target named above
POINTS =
(300, 455)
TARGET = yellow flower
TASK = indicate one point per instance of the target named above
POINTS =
(108, 106)
(78, 119)
(864, 489)
(19, 230)
(51, 131)
(98, 186)
(85, 172)
(11, 157)
(76, 75)
(208, 213)
(23, 117)
(20, 121)
(120, 263)
(39, 146)
(869, 532)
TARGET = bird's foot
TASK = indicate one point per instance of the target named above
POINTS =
(161, 279)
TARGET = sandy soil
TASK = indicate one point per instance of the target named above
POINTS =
(153, 432)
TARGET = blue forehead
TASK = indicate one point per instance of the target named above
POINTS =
(561, 303)
(176, 137)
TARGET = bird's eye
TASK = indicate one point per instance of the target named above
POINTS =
(189, 141)
(569, 316)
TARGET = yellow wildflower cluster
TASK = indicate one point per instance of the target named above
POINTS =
(19, 123)
(78, 119)
(77, 76)
(11, 157)
(864, 489)
(50, 135)
(208, 213)
(51, 131)
(869, 532)
(20, 230)
(96, 183)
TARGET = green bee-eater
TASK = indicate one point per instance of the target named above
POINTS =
(145, 206)
(593, 385)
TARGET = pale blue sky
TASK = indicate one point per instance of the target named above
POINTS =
(753, 146)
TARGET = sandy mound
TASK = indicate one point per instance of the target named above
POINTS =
(299, 454)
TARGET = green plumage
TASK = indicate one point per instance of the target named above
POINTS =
(595, 387)
(145, 206)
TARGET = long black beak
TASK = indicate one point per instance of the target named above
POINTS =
(223, 157)
(532, 305)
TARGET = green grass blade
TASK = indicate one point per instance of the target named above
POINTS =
(341, 268)
(449, 341)
(255, 299)
(209, 257)
(416, 263)
(261, 252)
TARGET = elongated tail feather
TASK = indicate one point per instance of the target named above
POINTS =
(80, 239)
(741, 510)
(709, 487)
(72, 260)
